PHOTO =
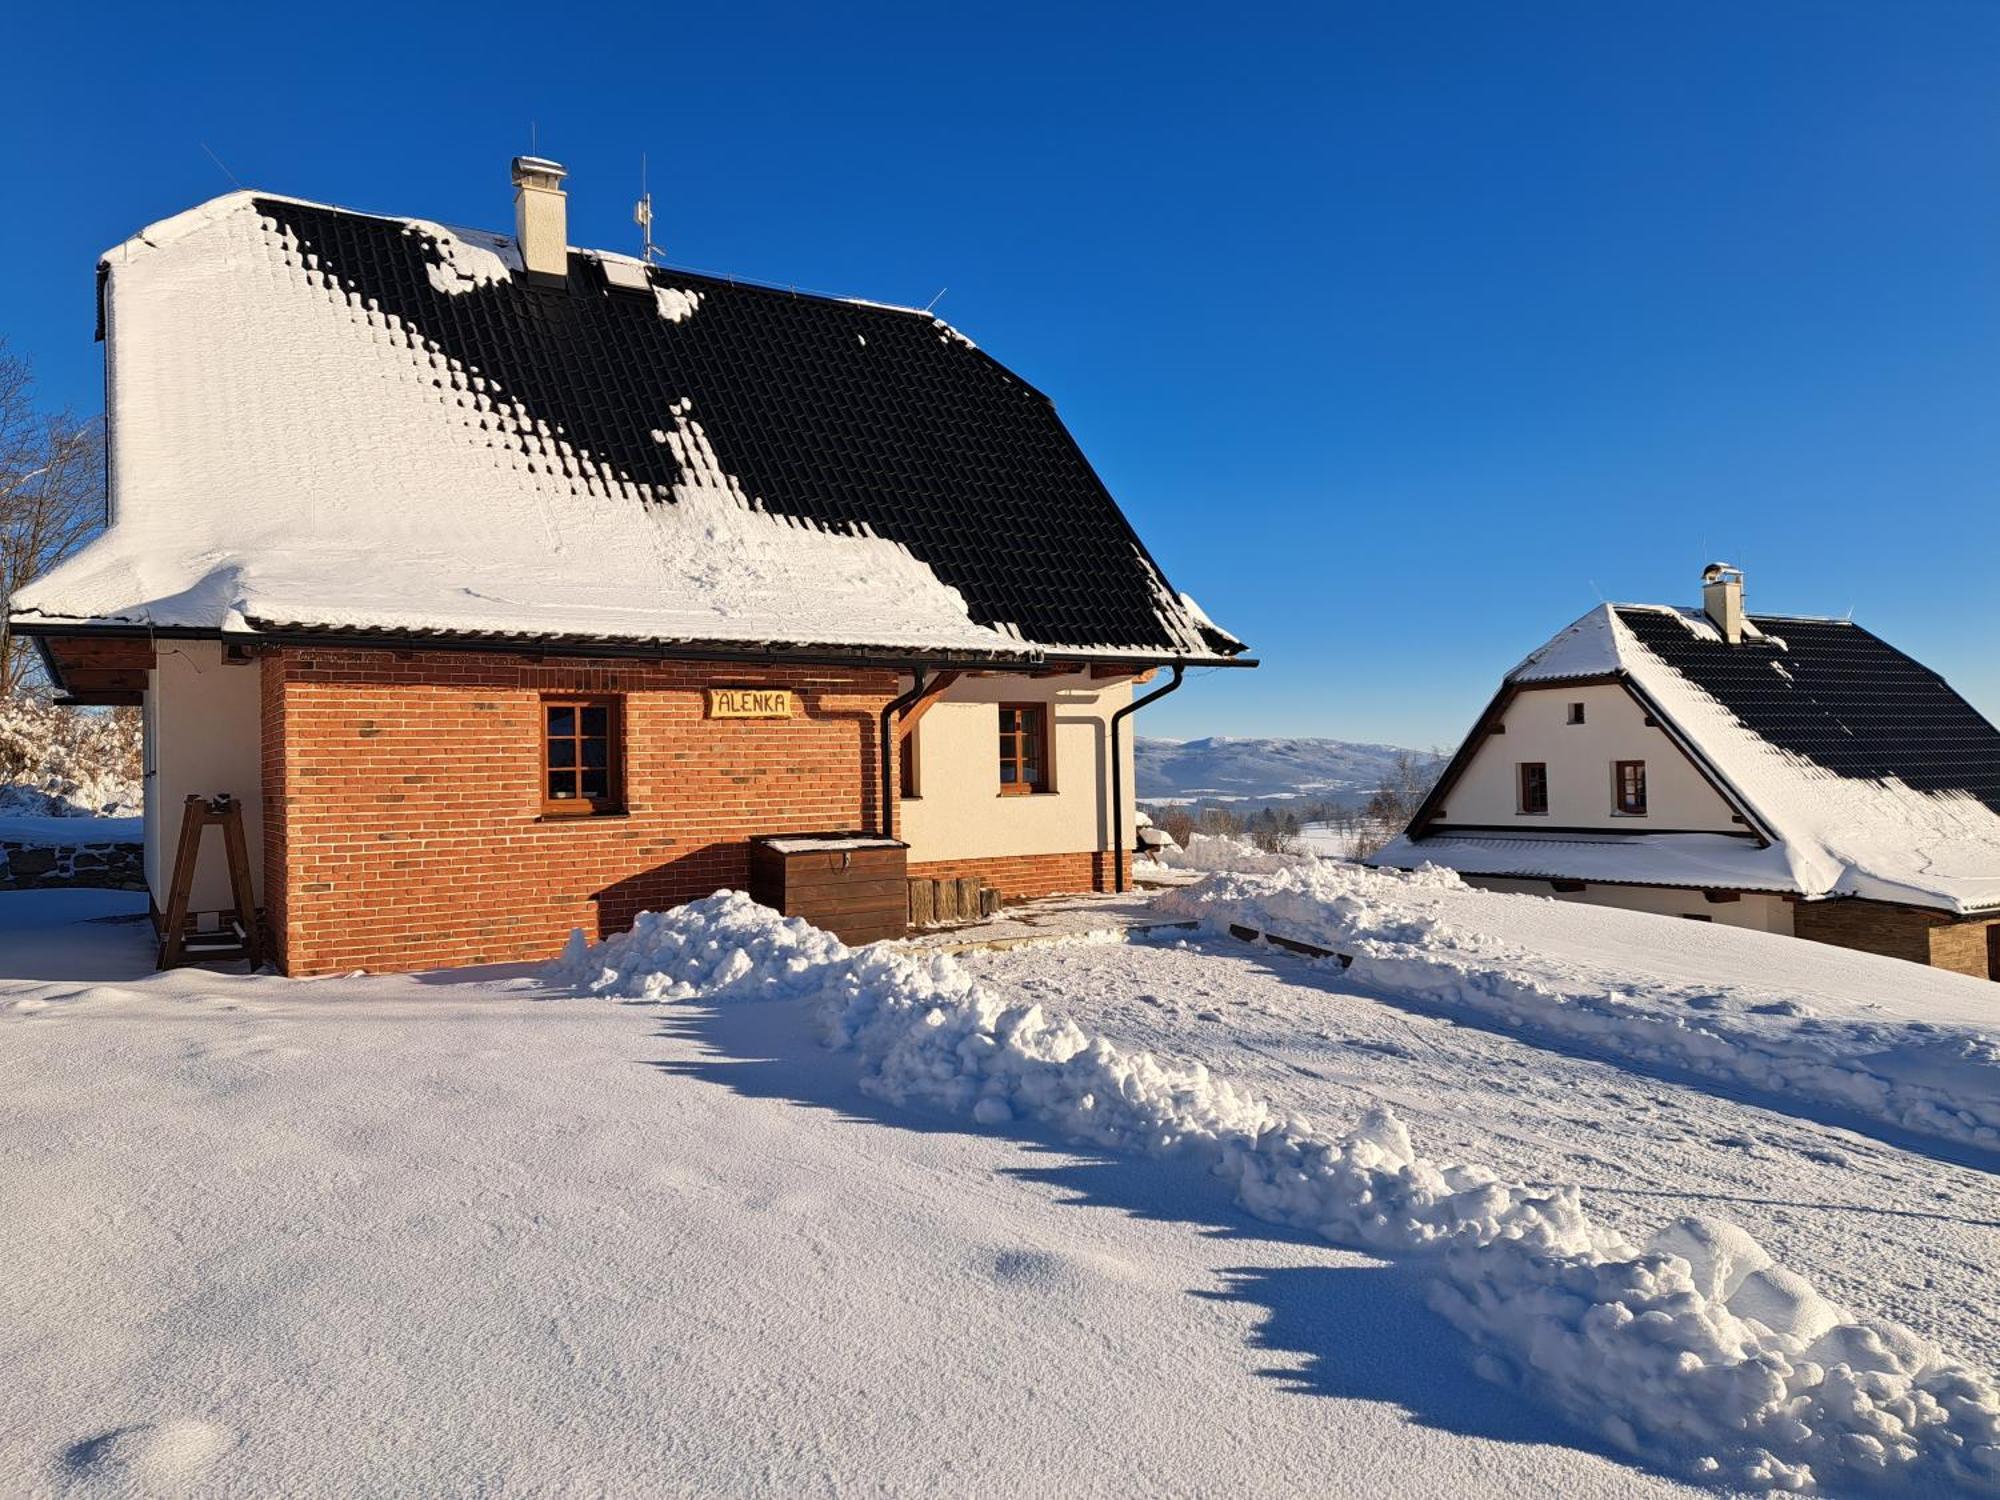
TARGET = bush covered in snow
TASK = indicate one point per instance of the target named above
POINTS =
(1694, 1351)
(68, 762)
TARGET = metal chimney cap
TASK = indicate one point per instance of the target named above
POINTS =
(539, 166)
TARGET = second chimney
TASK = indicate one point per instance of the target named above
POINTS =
(1722, 600)
(541, 216)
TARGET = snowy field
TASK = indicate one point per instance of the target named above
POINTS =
(471, 1233)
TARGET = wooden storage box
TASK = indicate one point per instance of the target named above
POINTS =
(853, 885)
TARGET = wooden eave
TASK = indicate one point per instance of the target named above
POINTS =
(97, 671)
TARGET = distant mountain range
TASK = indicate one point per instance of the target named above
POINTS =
(1245, 774)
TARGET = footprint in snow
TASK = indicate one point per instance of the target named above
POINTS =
(1780, 1008)
(1208, 1015)
(147, 1458)
(1057, 1272)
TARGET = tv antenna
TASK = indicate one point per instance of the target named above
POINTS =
(642, 215)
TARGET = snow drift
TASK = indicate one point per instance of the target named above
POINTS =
(1423, 935)
(1694, 1352)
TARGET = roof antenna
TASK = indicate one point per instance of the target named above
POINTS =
(642, 215)
(229, 174)
(937, 299)
(534, 139)
(1598, 591)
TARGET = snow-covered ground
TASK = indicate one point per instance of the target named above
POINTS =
(444, 1236)
(1875, 1038)
(1890, 1231)
(452, 1233)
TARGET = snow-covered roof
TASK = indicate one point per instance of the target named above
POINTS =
(1871, 775)
(1707, 860)
(324, 420)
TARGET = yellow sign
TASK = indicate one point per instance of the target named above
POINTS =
(749, 703)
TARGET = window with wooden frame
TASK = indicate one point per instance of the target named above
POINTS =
(1628, 788)
(1024, 748)
(910, 784)
(1534, 786)
(582, 756)
(1576, 713)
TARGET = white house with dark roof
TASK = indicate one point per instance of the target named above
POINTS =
(507, 587)
(1796, 775)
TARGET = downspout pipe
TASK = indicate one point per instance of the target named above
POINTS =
(890, 712)
(1118, 775)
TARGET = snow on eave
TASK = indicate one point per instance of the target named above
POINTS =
(1589, 646)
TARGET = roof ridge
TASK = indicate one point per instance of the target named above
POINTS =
(164, 231)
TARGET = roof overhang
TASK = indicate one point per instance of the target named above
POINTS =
(91, 669)
(95, 648)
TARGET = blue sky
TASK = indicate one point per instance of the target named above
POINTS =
(1403, 332)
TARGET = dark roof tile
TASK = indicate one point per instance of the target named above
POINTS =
(913, 434)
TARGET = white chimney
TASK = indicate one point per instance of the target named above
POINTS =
(541, 215)
(1722, 599)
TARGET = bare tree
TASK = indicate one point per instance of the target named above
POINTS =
(1394, 802)
(1176, 821)
(51, 499)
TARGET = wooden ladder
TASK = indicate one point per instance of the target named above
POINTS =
(237, 936)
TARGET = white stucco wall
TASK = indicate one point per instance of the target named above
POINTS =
(959, 812)
(1761, 913)
(204, 724)
(1580, 758)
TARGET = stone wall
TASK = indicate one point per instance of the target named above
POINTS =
(1964, 947)
(1924, 937)
(38, 866)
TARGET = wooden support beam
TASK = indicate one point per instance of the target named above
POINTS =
(131, 653)
(922, 706)
(86, 681)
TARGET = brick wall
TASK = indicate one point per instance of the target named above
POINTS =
(1923, 937)
(403, 825)
(1023, 877)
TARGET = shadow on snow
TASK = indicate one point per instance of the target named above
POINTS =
(1355, 1331)
(1321, 974)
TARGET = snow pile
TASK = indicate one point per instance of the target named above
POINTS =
(463, 262)
(1218, 851)
(66, 762)
(1425, 935)
(674, 304)
(1694, 1352)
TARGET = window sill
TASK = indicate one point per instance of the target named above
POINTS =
(1032, 792)
(613, 813)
